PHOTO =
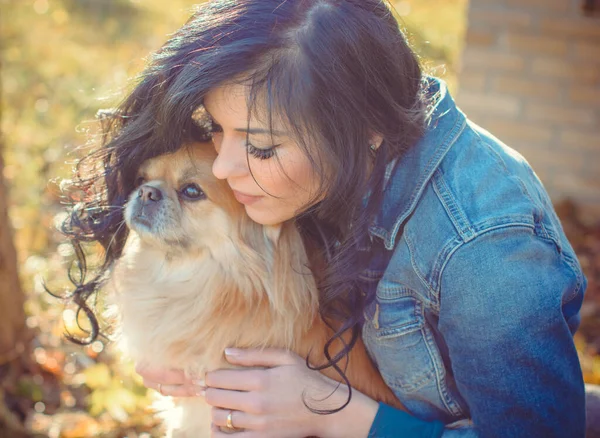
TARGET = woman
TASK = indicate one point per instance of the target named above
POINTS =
(440, 242)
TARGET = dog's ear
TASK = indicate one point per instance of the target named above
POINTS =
(272, 233)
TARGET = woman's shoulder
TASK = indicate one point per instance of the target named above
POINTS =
(461, 176)
(457, 185)
(483, 183)
(480, 185)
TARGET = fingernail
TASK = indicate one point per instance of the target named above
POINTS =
(232, 352)
(199, 382)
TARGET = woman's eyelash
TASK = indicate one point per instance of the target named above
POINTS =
(261, 154)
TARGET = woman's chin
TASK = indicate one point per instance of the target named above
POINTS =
(264, 217)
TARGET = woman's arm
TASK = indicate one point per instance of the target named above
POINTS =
(391, 423)
(268, 402)
(275, 398)
(509, 307)
(510, 304)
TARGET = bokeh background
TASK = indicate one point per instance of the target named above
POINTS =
(527, 70)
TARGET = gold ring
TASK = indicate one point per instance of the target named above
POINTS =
(229, 423)
(160, 388)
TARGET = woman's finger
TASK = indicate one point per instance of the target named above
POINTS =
(167, 376)
(265, 357)
(176, 390)
(240, 379)
(239, 419)
(235, 400)
(215, 432)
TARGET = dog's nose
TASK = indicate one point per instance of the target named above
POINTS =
(149, 193)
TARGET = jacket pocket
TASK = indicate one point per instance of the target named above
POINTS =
(401, 348)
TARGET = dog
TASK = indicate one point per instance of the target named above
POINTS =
(197, 275)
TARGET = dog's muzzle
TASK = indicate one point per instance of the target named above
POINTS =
(147, 205)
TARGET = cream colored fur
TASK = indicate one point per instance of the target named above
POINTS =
(205, 277)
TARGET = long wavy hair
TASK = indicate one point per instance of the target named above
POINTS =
(337, 72)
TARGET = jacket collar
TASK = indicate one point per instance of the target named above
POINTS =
(407, 176)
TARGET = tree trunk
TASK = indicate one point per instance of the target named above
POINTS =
(14, 335)
(12, 316)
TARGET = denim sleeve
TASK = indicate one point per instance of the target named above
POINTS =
(391, 423)
(509, 304)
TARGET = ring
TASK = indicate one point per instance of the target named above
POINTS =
(160, 388)
(229, 423)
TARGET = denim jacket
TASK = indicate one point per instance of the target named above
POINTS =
(477, 290)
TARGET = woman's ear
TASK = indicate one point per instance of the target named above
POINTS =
(375, 141)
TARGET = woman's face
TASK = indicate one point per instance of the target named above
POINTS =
(268, 172)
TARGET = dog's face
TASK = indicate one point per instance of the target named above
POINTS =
(178, 205)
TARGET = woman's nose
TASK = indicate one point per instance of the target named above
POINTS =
(231, 160)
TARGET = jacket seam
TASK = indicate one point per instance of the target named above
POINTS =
(513, 220)
(440, 371)
(418, 272)
(447, 249)
(481, 233)
(430, 168)
(578, 275)
(456, 214)
(459, 240)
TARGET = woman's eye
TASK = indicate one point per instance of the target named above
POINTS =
(261, 154)
(192, 192)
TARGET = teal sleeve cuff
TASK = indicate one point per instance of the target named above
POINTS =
(393, 423)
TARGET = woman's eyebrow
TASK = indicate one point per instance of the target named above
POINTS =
(260, 131)
(250, 130)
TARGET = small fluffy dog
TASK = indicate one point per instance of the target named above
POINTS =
(197, 275)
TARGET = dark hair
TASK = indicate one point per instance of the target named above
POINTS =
(336, 71)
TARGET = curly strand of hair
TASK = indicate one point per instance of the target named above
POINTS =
(333, 363)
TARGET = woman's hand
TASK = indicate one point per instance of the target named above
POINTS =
(171, 382)
(268, 402)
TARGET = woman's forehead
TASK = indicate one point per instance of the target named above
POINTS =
(231, 105)
(228, 101)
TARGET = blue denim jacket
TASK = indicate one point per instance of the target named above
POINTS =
(477, 290)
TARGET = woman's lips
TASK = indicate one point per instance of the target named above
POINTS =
(245, 199)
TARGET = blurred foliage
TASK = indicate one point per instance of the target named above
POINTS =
(62, 61)
(436, 30)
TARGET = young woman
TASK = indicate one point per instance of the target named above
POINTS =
(440, 242)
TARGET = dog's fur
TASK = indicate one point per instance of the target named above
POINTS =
(198, 276)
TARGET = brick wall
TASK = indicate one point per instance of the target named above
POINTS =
(531, 76)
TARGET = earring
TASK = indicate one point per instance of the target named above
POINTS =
(373, 147)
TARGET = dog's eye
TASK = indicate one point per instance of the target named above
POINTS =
(192, 192)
